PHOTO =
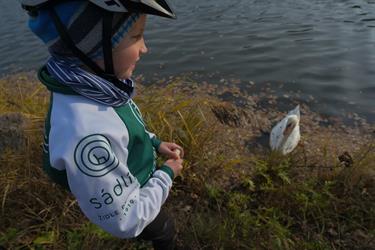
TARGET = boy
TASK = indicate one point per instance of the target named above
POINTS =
(96, 143)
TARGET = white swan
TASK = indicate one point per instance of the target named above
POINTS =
(286, 134)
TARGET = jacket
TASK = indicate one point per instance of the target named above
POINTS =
(107, 159)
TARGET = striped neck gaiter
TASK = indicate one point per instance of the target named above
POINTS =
(88, 84)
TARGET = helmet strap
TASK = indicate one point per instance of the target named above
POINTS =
(107, 50)
(107, 41)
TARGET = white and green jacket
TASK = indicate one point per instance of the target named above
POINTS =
(106, 158)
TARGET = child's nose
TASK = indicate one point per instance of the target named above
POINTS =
(144, 48)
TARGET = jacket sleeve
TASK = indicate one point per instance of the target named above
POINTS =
(98, 176)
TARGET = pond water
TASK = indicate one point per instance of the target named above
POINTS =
(321, 48)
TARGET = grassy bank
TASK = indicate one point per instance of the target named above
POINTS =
(234, 193)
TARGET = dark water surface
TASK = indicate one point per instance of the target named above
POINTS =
(321, 48)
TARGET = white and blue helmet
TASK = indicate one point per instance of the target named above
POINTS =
(153, 7)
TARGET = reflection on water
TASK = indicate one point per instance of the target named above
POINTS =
(321, 48)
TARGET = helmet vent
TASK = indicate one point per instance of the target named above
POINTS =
(112, 2)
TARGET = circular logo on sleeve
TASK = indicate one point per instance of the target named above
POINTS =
(94, 156)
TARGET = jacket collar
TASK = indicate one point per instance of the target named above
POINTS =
(52, 84)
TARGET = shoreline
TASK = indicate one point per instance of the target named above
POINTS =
(232, 88)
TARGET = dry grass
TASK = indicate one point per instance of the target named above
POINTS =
(234, 193)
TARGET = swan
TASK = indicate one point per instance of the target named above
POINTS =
(285, 135)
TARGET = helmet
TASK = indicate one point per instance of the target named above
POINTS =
(107, 9)
(153, 7)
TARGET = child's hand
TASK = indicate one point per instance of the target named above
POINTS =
(168, 149)
(175, 165)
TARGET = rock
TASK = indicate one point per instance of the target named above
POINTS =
(346, 159)
(228, 115)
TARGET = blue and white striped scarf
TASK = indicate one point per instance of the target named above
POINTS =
(88, 84)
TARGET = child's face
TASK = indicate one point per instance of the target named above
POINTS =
(129, 50)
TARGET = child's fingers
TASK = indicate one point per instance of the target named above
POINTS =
(175, 165)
